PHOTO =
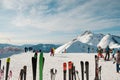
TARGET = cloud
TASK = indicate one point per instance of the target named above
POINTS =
(47, 16)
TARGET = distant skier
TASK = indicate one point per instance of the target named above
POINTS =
(100, 51)
(107, 51)
(118, 61)
(10, 75)
(52, 52)
(113, 54)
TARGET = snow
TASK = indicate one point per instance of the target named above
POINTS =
(56, 62)
(89, 40)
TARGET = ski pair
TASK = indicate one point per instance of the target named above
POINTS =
(71, 71)
(53, 73)
(34, 66)
(97, 69)
(23, 73)
(86, 69)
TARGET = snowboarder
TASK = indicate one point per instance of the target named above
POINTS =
(52, 52)
(107, 51)
(100, 51)
(118, 61)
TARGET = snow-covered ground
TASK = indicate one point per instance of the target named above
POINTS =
(56, 62)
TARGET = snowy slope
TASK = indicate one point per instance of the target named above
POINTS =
(89, 40)
(110, 40)
(18, 61)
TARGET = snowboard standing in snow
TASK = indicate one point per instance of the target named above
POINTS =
(64, 70)
(34, 65)
(41, 65)
(7, 68)
(53, 73)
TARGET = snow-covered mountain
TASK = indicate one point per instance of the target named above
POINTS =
(89, 41)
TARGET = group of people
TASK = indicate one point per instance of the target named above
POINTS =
(115, 56)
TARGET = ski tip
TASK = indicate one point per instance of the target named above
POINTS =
(81, 62)
(8, 59)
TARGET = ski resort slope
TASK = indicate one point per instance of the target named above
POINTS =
(56, 62)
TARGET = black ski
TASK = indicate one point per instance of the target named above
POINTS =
(64, 70)
(87, 70)
(34, 65)
(23, 73)
(82, 69)
(53, 73)
(7, 68)
(0, 64)
(73, 73)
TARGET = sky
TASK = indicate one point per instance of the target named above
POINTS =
(56, 21)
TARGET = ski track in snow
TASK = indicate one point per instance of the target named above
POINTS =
(56, 62)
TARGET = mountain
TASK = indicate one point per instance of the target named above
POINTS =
(45, 47)
(110, 40)
(89, 41)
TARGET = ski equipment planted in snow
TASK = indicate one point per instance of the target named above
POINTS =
(34, 65)
(77, 74)
(53, 73)
(7, 68)
(82, 69)
(64, 70)
(0, 64)
(41, 64)
(96, 68)
(23, 73)
(70, 70)
(87, 70)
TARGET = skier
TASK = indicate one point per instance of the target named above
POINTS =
(118, 61)
(100, 51)
(107, 51)
(52, 52)
(113, 54)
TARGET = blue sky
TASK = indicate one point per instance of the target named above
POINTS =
(56, 21)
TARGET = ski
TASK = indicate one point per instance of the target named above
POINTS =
(82, 69)
(7, 68)
(77, 74)
(41, 59)
(70, 70)
(53, 73)
(96, 68)
(73, 72)
(64, 70)
(21, 74)
(87, 70)
(0, 64)
(34, 65)
(25, 72)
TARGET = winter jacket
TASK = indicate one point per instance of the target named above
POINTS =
(118, 58)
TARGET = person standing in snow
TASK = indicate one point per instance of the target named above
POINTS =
(118, 61)
(100, 51)
(52, 52)
(107, 51)
(113, 54)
